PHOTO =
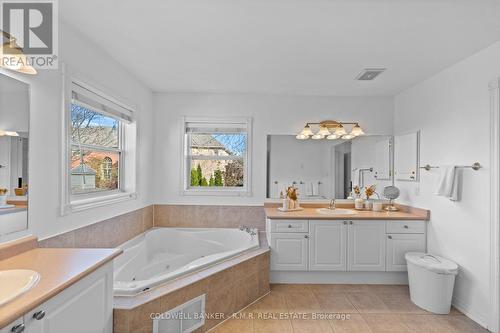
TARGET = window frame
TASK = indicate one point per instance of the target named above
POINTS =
(127, 176)
(186, 189)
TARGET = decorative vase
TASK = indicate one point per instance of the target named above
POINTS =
(359, 203)
(368, 204)
(377, 206)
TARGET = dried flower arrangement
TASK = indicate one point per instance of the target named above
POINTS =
(3, 191)
(357, 191)
(291, 193)
(370, 190)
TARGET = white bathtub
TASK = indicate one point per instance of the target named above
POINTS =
(162, 254)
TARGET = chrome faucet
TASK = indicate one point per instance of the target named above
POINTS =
(332, 204)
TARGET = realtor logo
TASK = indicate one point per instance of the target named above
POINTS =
(32, 28)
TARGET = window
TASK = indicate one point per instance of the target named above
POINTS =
(100, 164)
(107, 167)
(216, 156)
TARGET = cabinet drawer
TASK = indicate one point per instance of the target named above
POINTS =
(289, 226)
(405, 227)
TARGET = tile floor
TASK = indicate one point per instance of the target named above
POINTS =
(342, 309)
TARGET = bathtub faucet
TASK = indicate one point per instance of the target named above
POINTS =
(248, 229)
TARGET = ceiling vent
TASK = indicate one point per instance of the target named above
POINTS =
(369, 74)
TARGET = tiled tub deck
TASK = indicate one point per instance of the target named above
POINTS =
(229, 286)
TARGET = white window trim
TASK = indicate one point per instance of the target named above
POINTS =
(92, 200)
(244, 191)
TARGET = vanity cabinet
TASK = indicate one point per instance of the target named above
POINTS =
(289, 251)
(327, 245)
(85, 307)
(366, 246)
(337, 245)
(403, 237)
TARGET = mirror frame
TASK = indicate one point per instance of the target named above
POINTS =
(10, 235)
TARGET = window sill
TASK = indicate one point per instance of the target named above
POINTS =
(220, 193)
(84, 204)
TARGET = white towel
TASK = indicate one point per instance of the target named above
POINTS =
(315, 189)
(356, 177)
(448, 182)
(309, 189)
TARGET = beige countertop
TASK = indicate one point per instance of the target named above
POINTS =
(58, 269)
(309, 213)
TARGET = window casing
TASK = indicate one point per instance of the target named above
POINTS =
(216, 156)
(99, 151)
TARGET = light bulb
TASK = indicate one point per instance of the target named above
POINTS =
(340, 130)
(323, 130)
(332, 137)
(317, 136)
(357, 130)
(306, 131)
(347, 137)
(302, 137)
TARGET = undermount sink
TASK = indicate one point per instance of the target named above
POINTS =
(336, 211)
(16, 282)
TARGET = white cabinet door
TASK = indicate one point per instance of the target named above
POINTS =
(398, 245)
(289, 251)
(366, 246)
(327, 245)
(15, 326)
(85, 307)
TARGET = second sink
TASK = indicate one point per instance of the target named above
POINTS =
(14, 283)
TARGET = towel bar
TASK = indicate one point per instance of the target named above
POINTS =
(475, 166)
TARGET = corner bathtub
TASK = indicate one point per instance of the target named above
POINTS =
(162, 254)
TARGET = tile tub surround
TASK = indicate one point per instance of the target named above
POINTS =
(210, 216)
(105, 234)
(229, 287)
(370, 309)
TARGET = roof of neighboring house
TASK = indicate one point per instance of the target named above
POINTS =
(83, 169)
(206, 141)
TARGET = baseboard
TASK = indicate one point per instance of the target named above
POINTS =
(339, 277)
(466, 310)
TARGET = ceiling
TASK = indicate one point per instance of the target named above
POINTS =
(312, 47)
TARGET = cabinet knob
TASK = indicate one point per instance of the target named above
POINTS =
(39, 315)
(306, 236)
(345, 222)
(18, 328)
(406, 227)
(289, 226)
(350, 222)
(390, 237)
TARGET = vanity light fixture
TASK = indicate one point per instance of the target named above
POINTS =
(15, 59)
(8, 133)
(331, 130)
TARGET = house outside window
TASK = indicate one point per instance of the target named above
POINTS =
(217, 156)
(107, 167)
(100, 134)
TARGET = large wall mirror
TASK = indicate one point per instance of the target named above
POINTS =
(326, 169)
(14, 149)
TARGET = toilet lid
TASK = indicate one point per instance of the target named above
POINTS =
(432, 263)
